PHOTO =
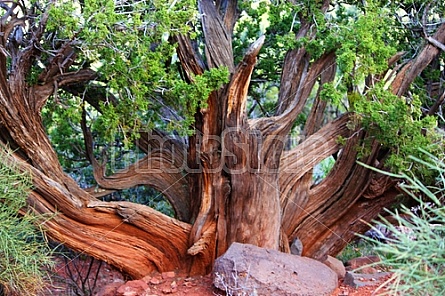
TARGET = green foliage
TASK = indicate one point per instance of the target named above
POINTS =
(363, 48)
(201, 88)
(322, 169)
(359, 36)
(363, 42)
(67, 13)
(62, 117)
(333, 93)
(418, 258)
(278, 21)
(23, 253)
(132, 48)
(400, 127)
(358, 248)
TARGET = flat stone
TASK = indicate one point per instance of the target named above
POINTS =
(168, 275)
(155, 281)
(258, 271)
(146, 279)
(360, 264)
(357, 280)
(109, 289)
(133, 288)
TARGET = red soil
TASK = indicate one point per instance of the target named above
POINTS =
(69, 275)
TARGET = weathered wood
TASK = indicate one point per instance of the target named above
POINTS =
(218, 37)
(339, 230)
(238, 87)
(161, 169)
(134, 238)
(301, 159)
(413, 68)
(233, 182)
(316, 116)
(295, 172)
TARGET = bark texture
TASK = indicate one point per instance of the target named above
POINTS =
(242, 185)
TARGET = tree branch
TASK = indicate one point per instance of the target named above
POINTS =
(190, 62)
(239, 85)
(436, 43)
(315, 118)
(218, 39)
(230, 14)
(41, 92)
(102, 229)
(59, 63)
(437, 104)
(33, 47)
(326, 205)
(161, 169)
(304, 157)
(323, 64)
(410, 71)
(93, 94)
(296, 63)
(281, 123)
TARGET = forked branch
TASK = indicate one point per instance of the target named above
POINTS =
(161, 169)
(304, 157)
(239, 85)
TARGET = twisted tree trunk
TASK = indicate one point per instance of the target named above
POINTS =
(232, 183)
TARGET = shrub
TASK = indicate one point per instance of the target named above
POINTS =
(23, 252)
(417, 257)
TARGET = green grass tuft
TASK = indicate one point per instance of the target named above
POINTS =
(23, 252)
(417, 258)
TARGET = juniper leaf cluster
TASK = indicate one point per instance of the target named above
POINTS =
(132, 47)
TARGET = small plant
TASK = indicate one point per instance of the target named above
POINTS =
(23, 252)
(78, 274)
(417, 257)
(358, 248)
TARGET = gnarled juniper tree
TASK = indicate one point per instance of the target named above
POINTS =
(230, 104)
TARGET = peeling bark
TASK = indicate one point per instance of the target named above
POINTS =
(233, 183)
(132, 237)
(218, 36)
(413, 68)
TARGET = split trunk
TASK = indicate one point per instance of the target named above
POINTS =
(235, 181)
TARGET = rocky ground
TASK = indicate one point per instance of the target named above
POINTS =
(370, 290)
(203, 286)
(81, 276)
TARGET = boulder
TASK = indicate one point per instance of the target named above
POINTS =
(336, 265)
(250, 270)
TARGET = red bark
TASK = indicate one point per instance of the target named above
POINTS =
(233, 183)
